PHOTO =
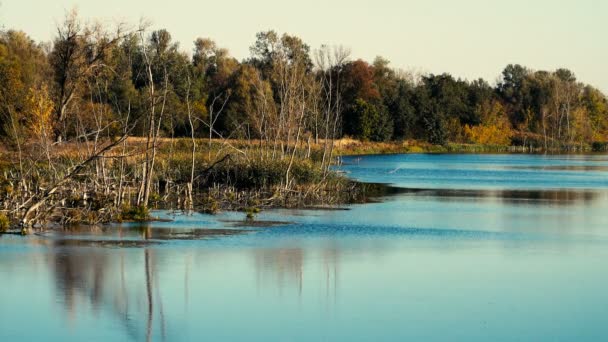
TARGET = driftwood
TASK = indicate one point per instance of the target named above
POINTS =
(53, 189)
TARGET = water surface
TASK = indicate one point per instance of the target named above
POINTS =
(466, 247)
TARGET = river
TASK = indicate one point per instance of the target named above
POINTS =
(470, 247)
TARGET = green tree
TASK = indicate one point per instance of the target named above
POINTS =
(369, 123)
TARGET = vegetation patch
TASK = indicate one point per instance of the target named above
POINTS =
(134, 213)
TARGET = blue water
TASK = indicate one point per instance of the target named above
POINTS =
(465, 247)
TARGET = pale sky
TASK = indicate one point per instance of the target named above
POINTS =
(467, 38)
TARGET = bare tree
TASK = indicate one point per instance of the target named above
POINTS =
(154, 121)
(77, 50)
(330, 63)
(192, 137)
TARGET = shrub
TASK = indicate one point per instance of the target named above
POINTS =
(135, 213)
(251, 212)
(210, 205)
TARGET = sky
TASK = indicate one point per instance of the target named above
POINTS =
(466, 38)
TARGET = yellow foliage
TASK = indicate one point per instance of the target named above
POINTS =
(582, 128)
(488, 134)
(41, 112)
(199, 109)
(494, 129)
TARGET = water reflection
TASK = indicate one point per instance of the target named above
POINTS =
(603, 168)
(498, 257)
(133, 285)
(166, 293)
(553, 197)
(281, 265)
(137, 234)
(123, 283)
(108, 281)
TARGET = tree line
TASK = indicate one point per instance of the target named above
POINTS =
(93, 77)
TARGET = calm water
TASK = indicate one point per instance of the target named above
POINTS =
(467, 247)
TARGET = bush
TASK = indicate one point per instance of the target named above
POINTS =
(210, 205)
(251, 212)
(306, 172)
(134, 213)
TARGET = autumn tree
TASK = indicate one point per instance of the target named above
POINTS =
(494, 128)
(23, 70)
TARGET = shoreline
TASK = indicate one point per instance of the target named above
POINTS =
(350, 147)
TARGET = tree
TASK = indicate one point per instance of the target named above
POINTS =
(286, 65)
(154, 59)
(241, 116)
(359, 82)
(596, 105)
(494, 129)
(40, 118)
(402, 110)
(358, 85)
(329, 107)
(23, 68)
(512, 89)
(431, 120)
(451, 97)
(565, 93)
(78, 51)
(216, 70)
(369, 122)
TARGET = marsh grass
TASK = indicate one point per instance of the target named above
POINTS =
(228, 175)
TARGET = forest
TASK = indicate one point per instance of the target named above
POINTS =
(103, 107)
(91, 76)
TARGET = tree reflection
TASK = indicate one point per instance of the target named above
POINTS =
(90, 274)
(285, 268)
(526, 196)
(107, 280)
